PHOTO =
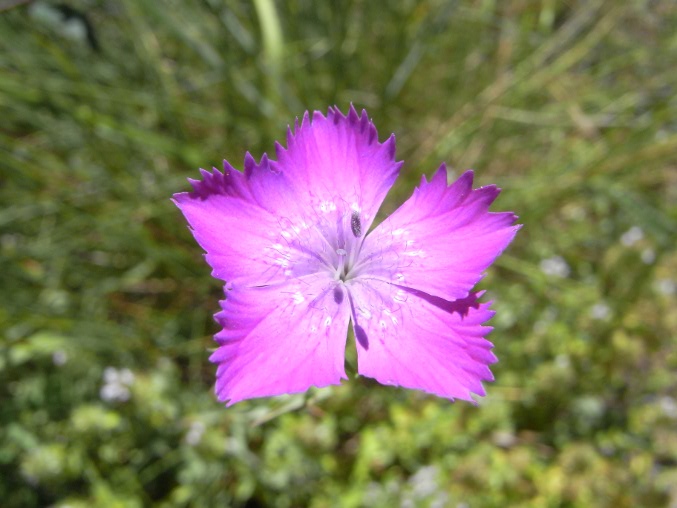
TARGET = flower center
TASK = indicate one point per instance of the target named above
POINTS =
(348, 242)
(343, 268)
(329, 242)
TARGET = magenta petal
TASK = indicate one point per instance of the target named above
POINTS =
(251, 225)
(337, 161)
(281, 339)
(410, 339)
(237, 232)
(441, 240)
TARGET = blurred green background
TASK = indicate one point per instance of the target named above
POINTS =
(107, 106)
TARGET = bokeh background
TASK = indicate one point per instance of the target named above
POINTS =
(107, 106)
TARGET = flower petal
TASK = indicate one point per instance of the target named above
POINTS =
(440, 240)
(281, 339)
(247, 224)
(336, 161)
(410, 339)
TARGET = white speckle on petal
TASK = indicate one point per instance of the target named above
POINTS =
(298, 298)
(415, 253)
(400, 296)
(327, 322)
(327, 206)
(364, 313)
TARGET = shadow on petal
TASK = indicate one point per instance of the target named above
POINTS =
(461, 306)
(361, 337)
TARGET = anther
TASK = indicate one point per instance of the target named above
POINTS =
(356, 224)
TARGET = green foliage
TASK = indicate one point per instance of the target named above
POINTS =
(106, 303)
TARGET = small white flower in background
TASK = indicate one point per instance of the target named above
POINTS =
(563, 361)
(194, 434)
(424, 486)
(666, 287)
(424, 481)
(59, 358)
(555, 267)
(648, 256)
(632, 236)
(669, 407)
(110, 375)
(116, 384)
(114, 393)
(126, 377)
(600, 311)
(504, 438)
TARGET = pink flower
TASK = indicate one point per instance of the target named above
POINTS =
(291, 239)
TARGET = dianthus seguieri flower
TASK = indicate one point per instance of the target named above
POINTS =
(292, 240)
